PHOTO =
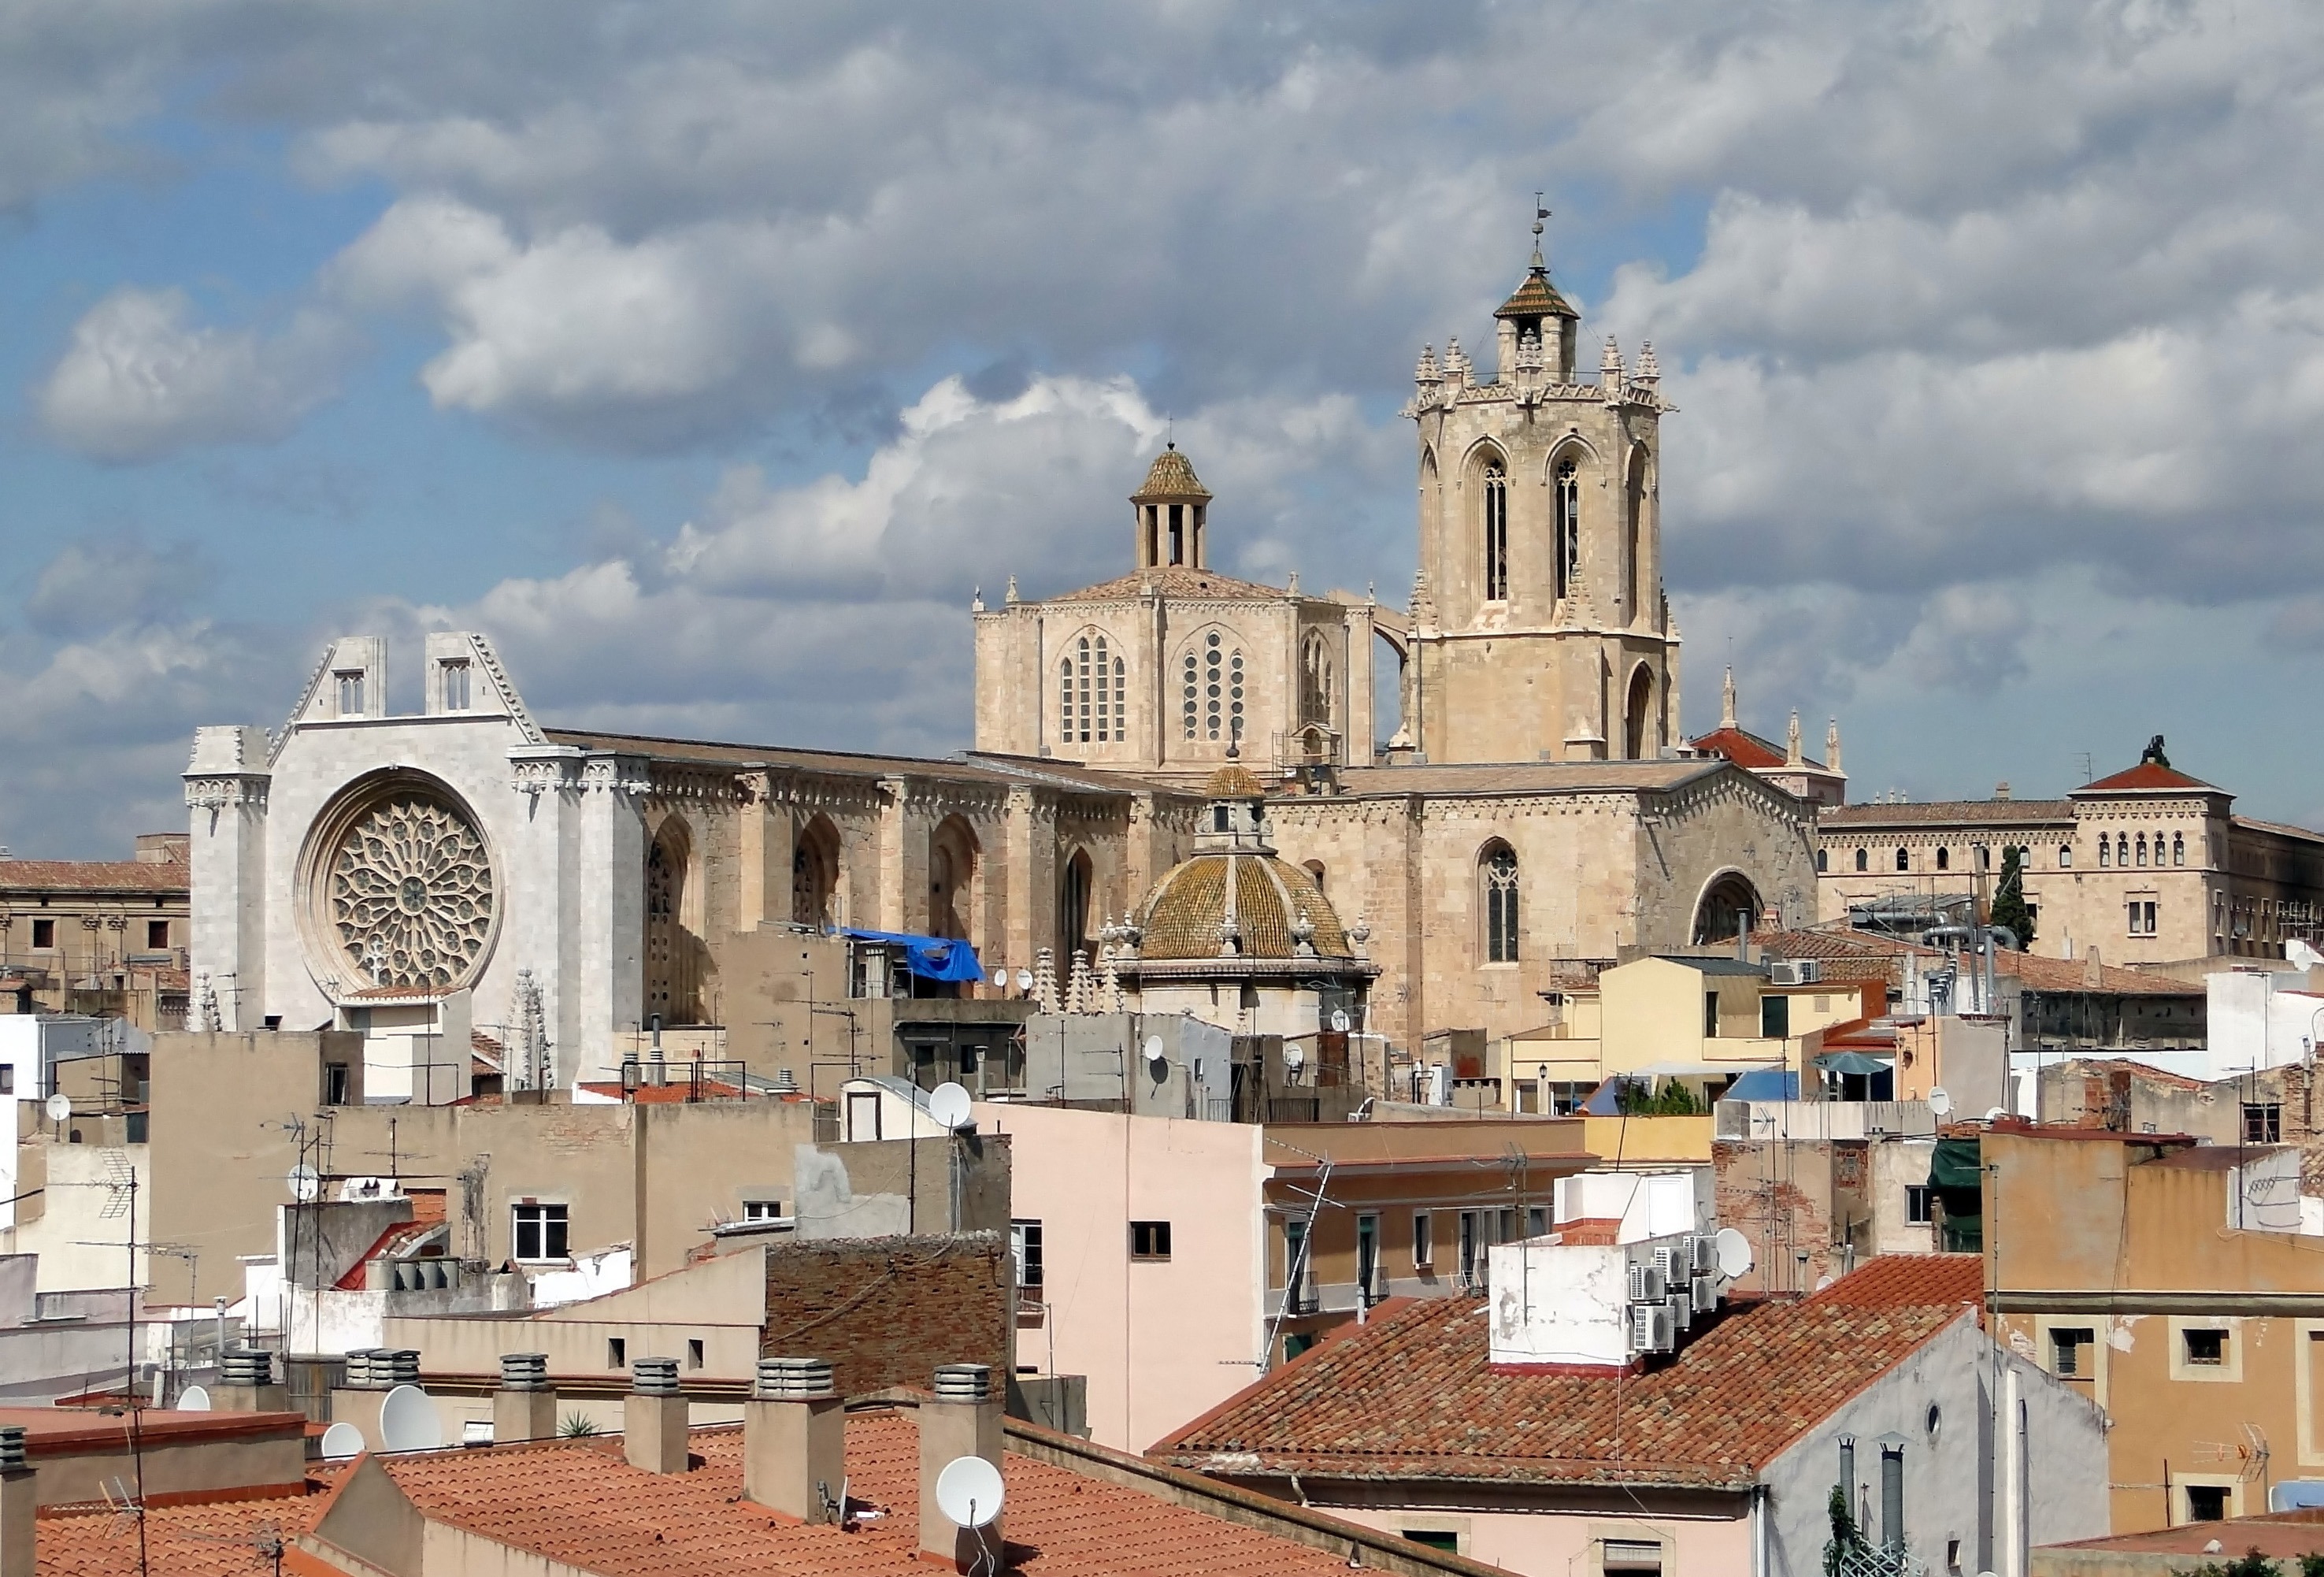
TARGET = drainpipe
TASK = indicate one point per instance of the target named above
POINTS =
(1761, 1566)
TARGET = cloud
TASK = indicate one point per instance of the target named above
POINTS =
(140, 380)
(91, 587)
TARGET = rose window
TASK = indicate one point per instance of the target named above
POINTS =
(409, 893)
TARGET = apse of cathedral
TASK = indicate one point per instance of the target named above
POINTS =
(567, 894)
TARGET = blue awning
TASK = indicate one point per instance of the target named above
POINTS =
(1764, 1084)
(929, 957)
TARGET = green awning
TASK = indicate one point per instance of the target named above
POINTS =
(1851, 1062)
(1956, 1164)
(1956, 1173)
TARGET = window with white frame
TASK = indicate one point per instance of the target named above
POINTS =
(2142, 917)
(541, 1232)
(1025, 1245)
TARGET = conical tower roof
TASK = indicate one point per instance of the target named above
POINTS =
(1171, 480)
(1536, 296)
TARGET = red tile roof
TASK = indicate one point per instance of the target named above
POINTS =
(1910, 1280)
(2146, 775)
(579, 1503)
(155, 878)
(218, 1536)
(1413, 1395)
(1742, 747)
(1942, 812)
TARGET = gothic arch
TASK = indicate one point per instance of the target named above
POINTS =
(1641, 738)
(1491, 483)
(1076, 892)
(955, 884)
(1210, 677)
(814, 874)
(1636, 489)
(1499, 894)
(1571, 461)
(676, 958)
(1317, 675)
(1728, 900)
(1092, 688)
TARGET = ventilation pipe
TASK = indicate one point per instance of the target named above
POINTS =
(524, 1407)
(653, 1417)
(1892, 1494)
(1847, 1470)
(794, 1441)
(963, 1420)
(246, 1383)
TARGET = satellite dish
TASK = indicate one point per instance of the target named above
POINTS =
(1153, 1053)
(1293, 1058)
(1734, 1253)
(305, 1182)
(341, 1441)
(1938, 1101)
(948, 1106)
(1341, 1022)
(1996, 1115)
(1000, 976)
(2301, 955)
(58, 1107)
(194, 1399)
(969, 1491)
(408, 1421)
(1024, 979)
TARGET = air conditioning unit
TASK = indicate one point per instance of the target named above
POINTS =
(1672, 1261)
(1793, 971)
(1650, 1328)
(1702, 1254)
(1706, 1293)
(1682, 1309)
(1646, 1285)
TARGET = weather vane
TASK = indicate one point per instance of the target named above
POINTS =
(1540, 212)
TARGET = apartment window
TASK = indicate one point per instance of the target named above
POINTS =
(2105, 856)
(1864, 858)
(1296, 1269)
(1630, 1558)
(45, 933)
(1711, 1015)
(335, 1083)
(1471, 1248)
(1984, 857)
(2207, 1502)
(1423, 1240)
(1150, 1240)
(1566, 1096)
(1823, 861)
(2142, 917)
(351, 696)
(694, 1357)
(7, 1078)
(2263, 1122)
(617, 1352)
(1918, 1200)
(1025, 1241)
(455, 686)
(762, 1210)
(1433, 1539)
(541, 1232)
(1367, 1276)
(1774, 1018)
(2206, 1348)
(2071, 1353)
(2142, 848)
(157, 936)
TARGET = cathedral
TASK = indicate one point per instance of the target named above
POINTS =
(1533, 814)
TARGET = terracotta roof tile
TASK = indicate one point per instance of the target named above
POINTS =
(221, 1537)
(1179, 581)
(2146, 775)
(161, 878)
(1413, 1395)
(1908, 1280)
(1941, 812)
(1747, 749)
(1171, 476)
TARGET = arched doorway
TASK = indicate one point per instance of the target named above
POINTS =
(673, 965)
(815, 873)
(1728, 904)
(953, 879)
(1640, 735)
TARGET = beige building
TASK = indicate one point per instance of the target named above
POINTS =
(2147, 865)
(98, 936)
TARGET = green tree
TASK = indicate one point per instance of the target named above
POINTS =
(2009, 896)
(1847, 1538)
(2254, 1564)
(1639, 1098)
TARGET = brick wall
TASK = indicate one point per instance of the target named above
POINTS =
(886, 1311)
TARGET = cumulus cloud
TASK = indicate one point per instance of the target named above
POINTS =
(141, 379)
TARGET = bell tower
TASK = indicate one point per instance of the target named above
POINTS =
(1172, 508)
(1539, 627)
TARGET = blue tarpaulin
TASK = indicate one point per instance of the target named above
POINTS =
(929, 957)
(1764, 1084)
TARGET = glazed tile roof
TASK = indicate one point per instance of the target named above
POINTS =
(580, 1504)
(1535, 297)
(1183, 582)
(1171, 476)
(1413, 1395)
(1182, 917)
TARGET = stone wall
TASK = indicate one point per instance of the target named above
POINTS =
(886, 1312)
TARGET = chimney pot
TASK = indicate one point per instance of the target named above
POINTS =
(963, 1419)
(654, 1417)
(524, 1407)
(794, 1440)
(246, 1382)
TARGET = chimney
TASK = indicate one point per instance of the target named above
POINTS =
(2093, 968)
(18, 1496)
(653, 1417)
(964, 1420)
(246, 1383)
(1891, 1493)
(794, 1441)
(524, 1407)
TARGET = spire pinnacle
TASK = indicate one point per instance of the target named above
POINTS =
(1727, 701)
(1540, 212)
(1793, 755)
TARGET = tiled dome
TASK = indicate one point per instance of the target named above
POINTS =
(1185, 915)
(1171, 478)
(1234, 781)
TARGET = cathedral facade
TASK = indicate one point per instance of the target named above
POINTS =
(1526, 818)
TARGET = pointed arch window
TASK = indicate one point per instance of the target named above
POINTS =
(1566, 498)
(1904, 859)
(1500, 872)
(2178, 848)
(1944, 859)
(2106, 851)
(1497, 532)
(1094, 692)
(1864, 858)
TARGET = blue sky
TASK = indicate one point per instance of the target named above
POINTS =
(709, 359)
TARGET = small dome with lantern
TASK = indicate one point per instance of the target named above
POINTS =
(1234, 898)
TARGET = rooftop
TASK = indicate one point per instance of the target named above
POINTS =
(2149, 777)
(165, 877)
(1414, 1394)
(1747, 749)
(1942, 812)
(1179, 581)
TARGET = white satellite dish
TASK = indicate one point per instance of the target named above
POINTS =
(58, 1107)
(1734, 1253)
(194, 1399)
(2301, 955)
(969, 1491)
(1153, 1049)
(1339, 1021)
(1024, 979)
(1938, 1101)
(306, 1183)
(949, 1107)
(341, 1441)
(408, 1421)
(1293, 1058)
(1000, 976)
(1996, 1115)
